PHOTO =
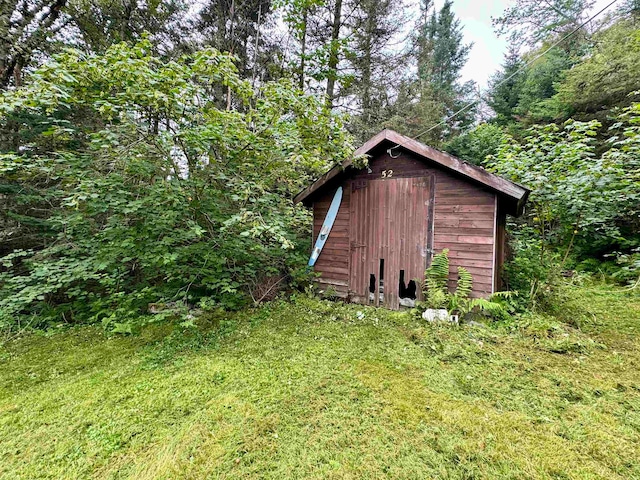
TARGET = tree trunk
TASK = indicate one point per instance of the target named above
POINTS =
(257, 45)
(366, 65)
(303, 46)
(20, 37)
(333, 55)
(232, 12)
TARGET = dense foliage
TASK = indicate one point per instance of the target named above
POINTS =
(585, 201)
(151, 191)
(566, 126)
(161, 171)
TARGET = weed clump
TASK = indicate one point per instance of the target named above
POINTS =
(551, 335)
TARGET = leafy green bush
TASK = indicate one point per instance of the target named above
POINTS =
(155, 190)
(584, 199)
(629, 268)
(581, 198)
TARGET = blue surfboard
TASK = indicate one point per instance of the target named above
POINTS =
(326, 226)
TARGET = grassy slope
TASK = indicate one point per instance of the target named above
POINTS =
(307, 390)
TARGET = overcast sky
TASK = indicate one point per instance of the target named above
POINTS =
(488, 50)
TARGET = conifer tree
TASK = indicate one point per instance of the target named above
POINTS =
(504, 92)
(440, 54)
(377, 66)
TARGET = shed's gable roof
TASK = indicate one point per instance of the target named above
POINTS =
(512, 191)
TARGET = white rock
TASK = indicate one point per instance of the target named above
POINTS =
(436, 315)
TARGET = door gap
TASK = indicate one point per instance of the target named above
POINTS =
(381, 284)
(406, 292)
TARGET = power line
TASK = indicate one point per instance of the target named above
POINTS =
(523, 67)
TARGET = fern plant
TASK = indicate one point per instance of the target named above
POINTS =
(495, 306)
(437, 295)
(464, 285)
(436, 278)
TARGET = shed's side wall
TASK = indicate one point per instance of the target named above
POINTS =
(465, 222)
(333, 262)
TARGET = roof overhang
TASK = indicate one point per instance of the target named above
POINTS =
(516, 195)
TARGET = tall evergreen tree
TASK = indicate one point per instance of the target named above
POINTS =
(233, 26)
(504, 92)
(26, 28)
(102, 23)
(334, 52)
(377, 67)
(440, 56)
(342, 50)
(320, 33)
(529, 22)
(441, 64)
(299, 15)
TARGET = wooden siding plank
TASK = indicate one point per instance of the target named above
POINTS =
(471, 255)
(484, 240)
(463, 200)
(478, 232)
(332, 281)
(463, 208)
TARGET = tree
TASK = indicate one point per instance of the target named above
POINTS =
(26, 28)
(334, 52)
(529, 22)
(442, 51)
(233, 26)
(103, 23)
(478, 143)
(319, 33)
(438, 93)
(164, 195)
(298, 15)
(525, 97)
(377, 67)
(343, 51)
(504, 92)
(540, 84)
(605, 78)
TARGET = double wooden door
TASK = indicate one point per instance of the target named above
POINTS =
(390, 237)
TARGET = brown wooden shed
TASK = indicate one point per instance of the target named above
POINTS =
(410, 202)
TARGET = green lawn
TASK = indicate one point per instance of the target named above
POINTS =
(308, 390)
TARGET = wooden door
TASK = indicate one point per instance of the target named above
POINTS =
(390, 235)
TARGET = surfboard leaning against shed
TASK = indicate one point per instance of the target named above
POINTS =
(326, 227)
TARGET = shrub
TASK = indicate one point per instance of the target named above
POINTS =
(152, 189)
